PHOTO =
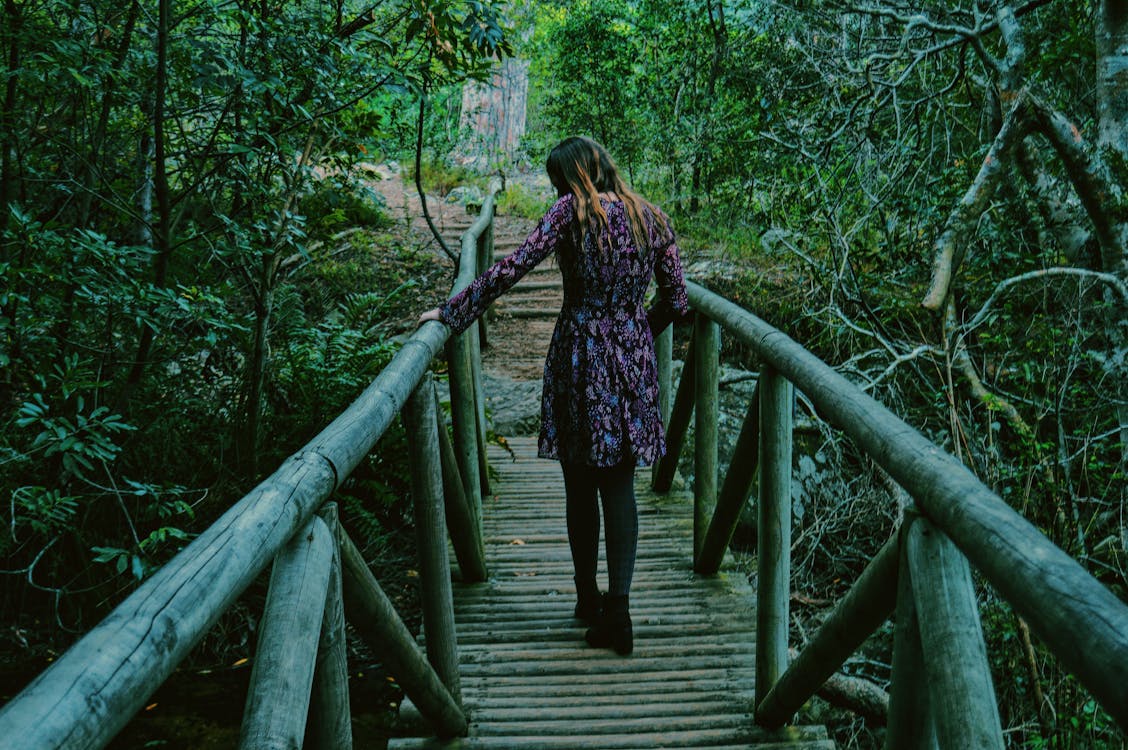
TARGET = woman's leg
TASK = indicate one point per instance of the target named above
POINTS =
(620, 516)
(582, 509)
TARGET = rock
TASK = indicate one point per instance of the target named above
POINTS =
(513, 406)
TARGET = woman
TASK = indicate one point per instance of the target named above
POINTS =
(599, 409)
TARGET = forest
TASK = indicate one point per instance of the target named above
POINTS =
(196, 275)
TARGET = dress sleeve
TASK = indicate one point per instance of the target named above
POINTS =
(464, 308)
(671, 304)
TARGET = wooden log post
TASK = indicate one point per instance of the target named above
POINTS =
(910, 720)
(330, 716)
(862, 611)
(370, 611)
(961, 695)
(430, 531)
(465, 536)
(680, 417)
(734, 491)
(464, 418)
(773, 553)
(479, 416)
(484, 251)
(664, 356)
(707, 338)
(282, 676)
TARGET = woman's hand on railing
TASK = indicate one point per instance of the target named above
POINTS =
(430, 315)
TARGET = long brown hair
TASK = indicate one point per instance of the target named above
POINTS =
(582, 167)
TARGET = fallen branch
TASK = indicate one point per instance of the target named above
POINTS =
(856, 694)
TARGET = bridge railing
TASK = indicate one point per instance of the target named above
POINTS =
(941, 686)
(318, 576)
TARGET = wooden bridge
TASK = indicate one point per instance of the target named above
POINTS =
(502, 664)
(528, 678)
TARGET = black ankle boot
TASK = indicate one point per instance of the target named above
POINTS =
(589, 602)
(614, 629)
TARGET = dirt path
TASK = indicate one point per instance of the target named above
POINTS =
(521, 321)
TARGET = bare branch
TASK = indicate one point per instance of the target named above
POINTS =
(1003, 286)
(950, 246)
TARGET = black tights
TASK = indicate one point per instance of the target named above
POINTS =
(615, 486)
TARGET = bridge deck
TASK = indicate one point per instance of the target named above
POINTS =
(530, 681)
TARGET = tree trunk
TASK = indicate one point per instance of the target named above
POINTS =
(163, 244)
(494, 114)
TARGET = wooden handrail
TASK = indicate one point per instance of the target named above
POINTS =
(1080, 620)
(85, 697)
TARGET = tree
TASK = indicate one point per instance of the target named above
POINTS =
(155, 172)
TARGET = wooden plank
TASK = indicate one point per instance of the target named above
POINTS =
(744, 737)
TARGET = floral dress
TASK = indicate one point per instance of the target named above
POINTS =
(600, 401)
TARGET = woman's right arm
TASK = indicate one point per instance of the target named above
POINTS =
(464, 308)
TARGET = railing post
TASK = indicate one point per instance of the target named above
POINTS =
(282, 677)
(680, 415)
(664, 358)
(330, 718)
(707, 337)
(734, 491)
(910, 720)
(465, 535)
(479, 413)
(430, 530)
(485, 249)
(375, 618)
(773, 570)
(961, 695)
(464, 417)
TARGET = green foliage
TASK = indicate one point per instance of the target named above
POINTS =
(592, 53)
(439, 176)
(519, 200)
(335, 205)
(154, 320)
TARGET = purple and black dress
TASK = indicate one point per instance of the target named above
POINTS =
(600, 401)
